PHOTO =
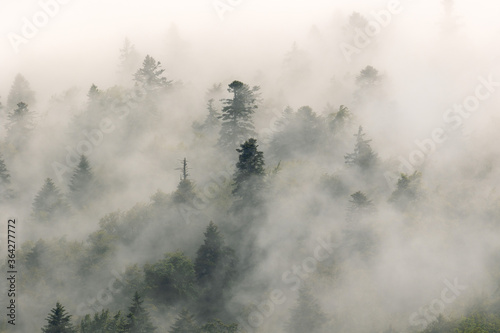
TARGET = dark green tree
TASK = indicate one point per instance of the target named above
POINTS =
(20, 91)
(307, 315)
(237, 123)
(215, 268)
(212, 120)
(138, 320)
(59, 321)
(185, 323)
(49, 203)
(339, 120)
(20, 125)
(359, 206)
(363, 155)
(81, 183)
(171, 279)
(149, 77)
(185, 193)
(249, 175)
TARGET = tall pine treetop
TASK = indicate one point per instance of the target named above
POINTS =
(58, 321)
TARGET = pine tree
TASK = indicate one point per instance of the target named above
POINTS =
(363, 155)
(81, 183)
(215, 268)
(149, 77)
(407, 191)
(237, 124)
(49, 202)
(59, 321)
(5, 191)
(217, 326)
(20, 92)
(129, 59)
(307, 315)
(20, 125)
(185, 323)
(212, 120)
(138, 318)
(359, 206)
(185, 193)
(249, 175)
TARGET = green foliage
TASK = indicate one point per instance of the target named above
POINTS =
(237, 124)
(171, 279)
(249, 175)
(185, 193)
(363, 155)
(307, 315)
(138, 320)
(215, 268)
(58, 321)
(217, 326)
(81, 183)
(49, 203)
(103, 322)
(359, 206)
(185, 323)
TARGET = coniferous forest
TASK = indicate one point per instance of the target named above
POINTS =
(338, 176)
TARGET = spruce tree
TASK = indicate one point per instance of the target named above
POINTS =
(5, 191)
(215, 268)
(185, 193)
(129, 59)
(20, 91)
(307, 315)
(359, 206)
(212, 120)
(81, 183)
(49, 203)
(249, 175)
(20, 125)
(149, 77)
(59, 321)
(237, 124)
(185, 323)
(138, 320)
(217, 326)
(363, 155)
(407, 191)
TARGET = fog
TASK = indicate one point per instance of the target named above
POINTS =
(376, 207)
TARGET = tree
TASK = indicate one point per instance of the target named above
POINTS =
(339, 120)
(49, 203)
(103, 323)
(5, 191)
(185, 190)
(212, 120)
(20, 91)
(307, 315)
(215, 269)
(363, 155)
(149, 77)
(171, 279)
(185, 323)
(407, 190)
(20, 124)
(369, 82)
(237, 124)
(58, 321)
(81, 183)
(217, 326)
(129, 59)
(249, 175)
(138, 320)
(359, 206)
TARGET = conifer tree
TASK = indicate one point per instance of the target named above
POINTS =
(212, 120)
(5, 191)
(185, 193)
(138, 320)
(59, 321)
(307, 315)
(20, 91)
(129, 59)
(363, 155)
(407, 190)
(81, 183)
(215, 268)
(20, 125)
(49, 202)
(359, 206)
(249, 175)
(237, 124)
(185, 323)
(149, 77)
